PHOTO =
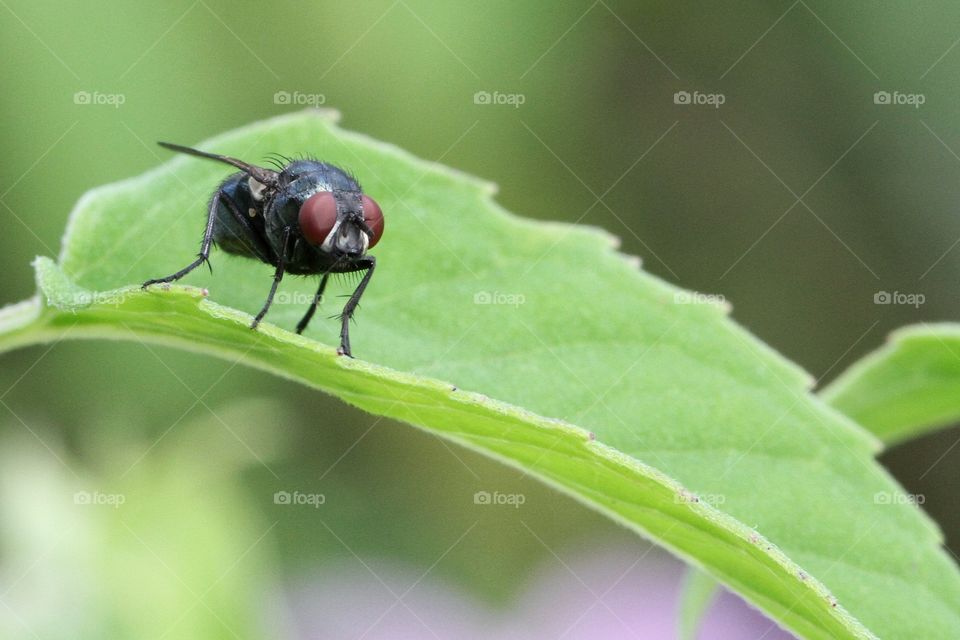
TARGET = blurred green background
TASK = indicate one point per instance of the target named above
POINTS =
(799, 199)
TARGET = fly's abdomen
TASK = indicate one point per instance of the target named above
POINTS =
(237, 218)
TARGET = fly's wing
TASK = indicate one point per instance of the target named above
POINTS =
(268, 177)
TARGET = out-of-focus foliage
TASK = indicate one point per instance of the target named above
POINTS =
(906, 389)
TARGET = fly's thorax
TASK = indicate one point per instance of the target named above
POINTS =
(279, 213)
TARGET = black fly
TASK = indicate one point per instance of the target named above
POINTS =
(309, 218)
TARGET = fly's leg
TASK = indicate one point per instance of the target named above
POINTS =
(204, 247)
(277, 277)
(367, 263)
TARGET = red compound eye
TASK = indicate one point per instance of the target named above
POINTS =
(317, 217)
(373, 216)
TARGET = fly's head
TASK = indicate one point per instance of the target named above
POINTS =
(341, 222)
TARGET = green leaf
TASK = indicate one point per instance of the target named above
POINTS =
(908, 388)
(569, 362)
(699, 591)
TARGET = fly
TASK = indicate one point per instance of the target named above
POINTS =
(308, 218)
